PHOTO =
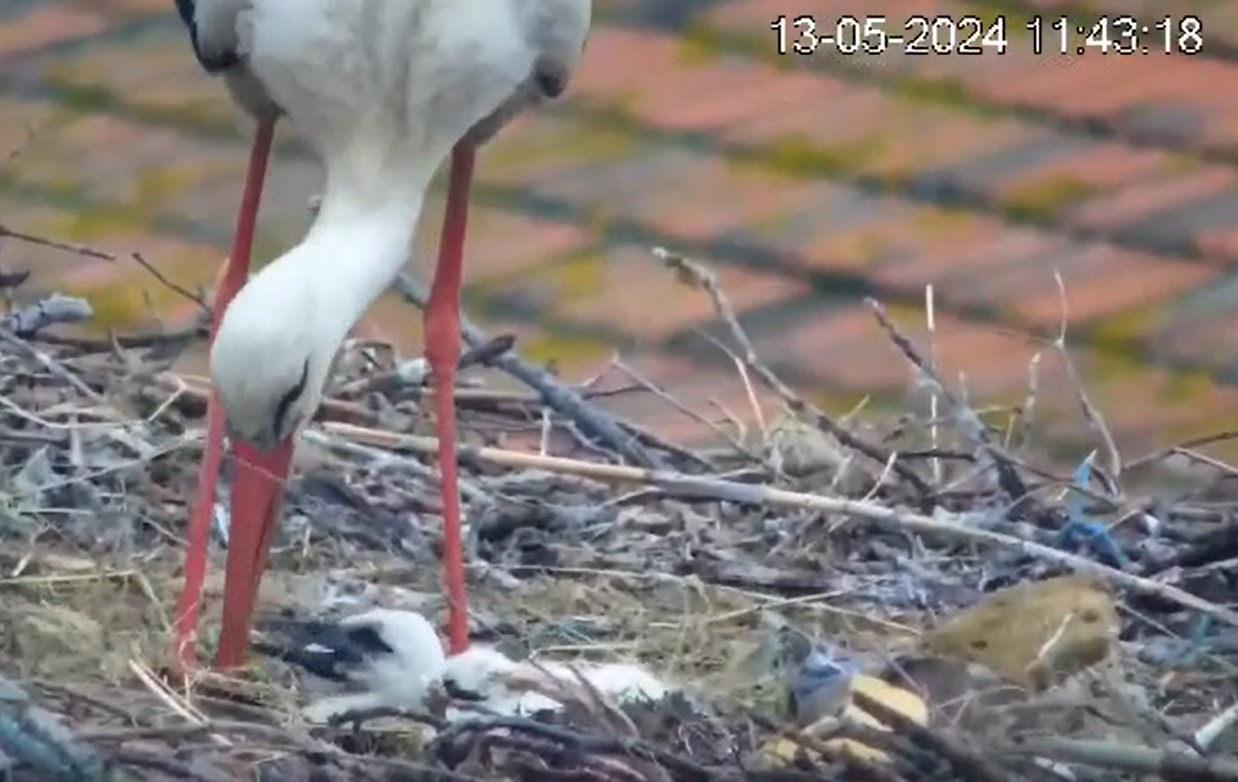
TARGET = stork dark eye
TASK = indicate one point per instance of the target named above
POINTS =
(290, 396)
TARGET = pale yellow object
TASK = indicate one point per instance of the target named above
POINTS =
(1032, 633)
(783, 751)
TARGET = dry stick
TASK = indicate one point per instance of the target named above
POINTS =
(731, 491)
(701, 278)
(51, 365)
(930, 316)
(742, 370)
(1090, 412)
(1230, 434)
(103, 255)
(980, 434)
(669, 398)
(381, 458)
(582, 742)
(161, 763)
(972, 425)
(158, 275)
(79, 249)
(557, 395)
(1141, 760)
(128, 341)
(1205, 459)
(1208, 733)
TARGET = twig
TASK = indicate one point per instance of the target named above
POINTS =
(718, 489)
(1205, 459)
(1212, 730)
(1167, 764)
(563, 399)
(701, 278)
(158, 275)
(162, 763)
(51, 365)
(1229, 434)
(758, 414)
(182, 707)
(583, 742)
(970, 422)
(79, 249)
(1090, 412)
(930, 318)
(357, 717)
(741, 369)
(667, 397)
(128, 341)
(381, 458)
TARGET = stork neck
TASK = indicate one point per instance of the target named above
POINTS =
(357, 246)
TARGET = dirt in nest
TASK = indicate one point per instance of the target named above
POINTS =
(721, 569)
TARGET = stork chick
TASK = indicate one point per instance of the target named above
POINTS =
(391, 658)
(394, 659)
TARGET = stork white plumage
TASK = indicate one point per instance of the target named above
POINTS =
(382, 89)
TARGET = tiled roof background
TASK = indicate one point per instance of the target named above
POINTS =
(808, 183)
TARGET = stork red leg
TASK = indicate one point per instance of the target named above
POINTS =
(257, 489)
(443, 352)
(235, 273)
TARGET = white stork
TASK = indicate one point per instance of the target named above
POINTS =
(214, 35)
(382, 90)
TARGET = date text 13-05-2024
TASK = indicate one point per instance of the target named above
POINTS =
(970, 35)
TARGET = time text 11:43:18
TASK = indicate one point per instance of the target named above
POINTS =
(970, 35)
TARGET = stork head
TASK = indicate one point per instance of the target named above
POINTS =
(271, 357)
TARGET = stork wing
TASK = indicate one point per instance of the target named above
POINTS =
(331, 650)
(556, 30)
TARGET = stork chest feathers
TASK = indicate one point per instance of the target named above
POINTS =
(405, 75)
(331, 63)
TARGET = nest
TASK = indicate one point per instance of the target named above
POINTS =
(591, 537)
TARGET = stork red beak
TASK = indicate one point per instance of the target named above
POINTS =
(257, 491)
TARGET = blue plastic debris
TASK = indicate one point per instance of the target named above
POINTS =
(821, 686)
(1082, 532)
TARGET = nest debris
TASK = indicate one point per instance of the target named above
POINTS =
(714, 567)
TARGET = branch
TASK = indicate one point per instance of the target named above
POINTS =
(1166, 764)
(945, 524)
(563, 399)
(158, 275)
(78, 249)
(51, 365)
(582, 742)
(698, 276)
